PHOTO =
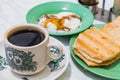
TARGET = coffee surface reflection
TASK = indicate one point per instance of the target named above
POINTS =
(26, 37)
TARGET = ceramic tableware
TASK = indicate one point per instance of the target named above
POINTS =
(28, 50)
(36, 12)
(111, 71)
(53, 69)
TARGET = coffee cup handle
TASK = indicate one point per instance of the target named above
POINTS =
(54, 51)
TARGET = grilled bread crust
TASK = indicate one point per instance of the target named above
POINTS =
(93, 64)
(96, 46)
(99, 47)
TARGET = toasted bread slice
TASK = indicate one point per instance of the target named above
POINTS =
(93, 64)
(113, 29)
(96, 46)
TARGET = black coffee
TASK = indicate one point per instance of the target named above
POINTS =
(26, 38)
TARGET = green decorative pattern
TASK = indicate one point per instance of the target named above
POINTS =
(3, 63)
(53, 65)
(20, 60)
(54, 50)
(24, 78)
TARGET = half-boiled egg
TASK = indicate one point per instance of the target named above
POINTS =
(60, 22)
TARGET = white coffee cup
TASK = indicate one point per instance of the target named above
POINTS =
(29, 60)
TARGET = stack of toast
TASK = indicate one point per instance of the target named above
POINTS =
(99, 47)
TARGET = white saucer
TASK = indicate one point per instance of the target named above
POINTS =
(51, 72)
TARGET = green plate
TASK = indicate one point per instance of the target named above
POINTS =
(112, 71)
(59, 6)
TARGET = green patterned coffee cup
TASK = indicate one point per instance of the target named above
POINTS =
(31, 59)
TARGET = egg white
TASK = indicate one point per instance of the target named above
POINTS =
(72, 23)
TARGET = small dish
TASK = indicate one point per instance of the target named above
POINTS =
(36, 12)
(111, 71)
(53, 70)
